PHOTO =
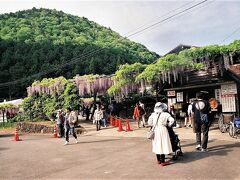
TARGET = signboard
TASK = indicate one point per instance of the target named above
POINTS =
(179, 96)
(171, 93)
(228, 103)
(229, 89)
(218, 95)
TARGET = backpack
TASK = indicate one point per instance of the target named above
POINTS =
(203, 117)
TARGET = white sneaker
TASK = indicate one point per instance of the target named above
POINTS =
(76, 141)
(198, 147)
(66, 143)
(204, 150)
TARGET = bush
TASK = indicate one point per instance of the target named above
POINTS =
(4, 125)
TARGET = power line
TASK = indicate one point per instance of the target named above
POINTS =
(190, 11)
(171, 11)
(235, 31)
(181, 12)
(88, 54)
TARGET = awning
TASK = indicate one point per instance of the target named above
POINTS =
(234, 72)
(16, 102)
(199, 86)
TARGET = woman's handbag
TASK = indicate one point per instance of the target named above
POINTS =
(151, 133)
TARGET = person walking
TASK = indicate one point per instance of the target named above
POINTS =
(190, 114)
(142, 112)
(87, 112)
(136, 115)
(161, 144)
(184, 113)
(70, 121)
(98, 116)
(201, 109)
(60, 123)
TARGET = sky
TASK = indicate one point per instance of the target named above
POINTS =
(207, 24)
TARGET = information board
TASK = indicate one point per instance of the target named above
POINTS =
(228, 103)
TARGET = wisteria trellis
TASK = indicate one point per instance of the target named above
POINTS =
(48, 86)
(93, 84)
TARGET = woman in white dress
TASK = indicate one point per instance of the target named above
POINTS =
(161, 144)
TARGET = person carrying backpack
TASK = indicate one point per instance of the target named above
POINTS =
(201, 109)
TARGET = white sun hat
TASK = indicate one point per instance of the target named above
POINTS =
(160, 107)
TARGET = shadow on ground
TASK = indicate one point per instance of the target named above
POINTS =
(3, 148)
(192, 144)
(87, 142)
(217, 150)
(6, 135)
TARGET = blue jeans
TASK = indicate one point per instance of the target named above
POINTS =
(67, 133)
(103, 122)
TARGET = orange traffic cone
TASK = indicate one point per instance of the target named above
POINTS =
(128, 128)
(55, 132)
(120, 126)
(16, 136)
(117, 122)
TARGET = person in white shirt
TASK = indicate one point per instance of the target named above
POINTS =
(98, 116)
(190, 113)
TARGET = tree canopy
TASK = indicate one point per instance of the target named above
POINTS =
(124, 79)
(39, 40)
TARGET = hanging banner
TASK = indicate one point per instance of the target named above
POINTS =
(179, 96)
(171, 101)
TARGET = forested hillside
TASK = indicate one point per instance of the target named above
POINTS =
(39, 40)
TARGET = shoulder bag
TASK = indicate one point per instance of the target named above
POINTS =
(151, 133)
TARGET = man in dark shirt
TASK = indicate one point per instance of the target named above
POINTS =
(201, 109)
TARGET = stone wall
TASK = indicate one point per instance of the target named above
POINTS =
(28, 127)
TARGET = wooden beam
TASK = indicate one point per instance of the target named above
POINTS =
(199, 86)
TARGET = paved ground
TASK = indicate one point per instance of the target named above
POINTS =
(108, 154)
